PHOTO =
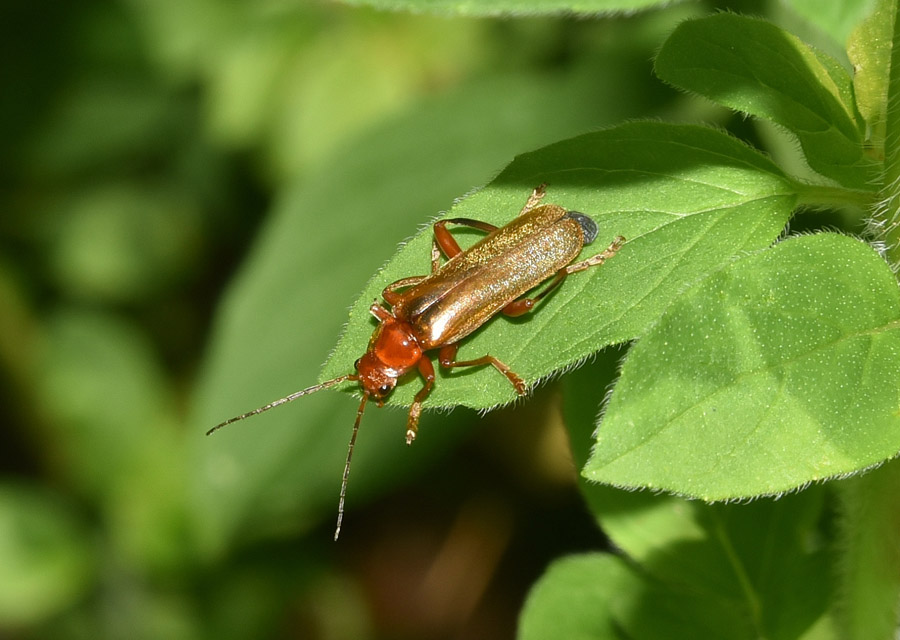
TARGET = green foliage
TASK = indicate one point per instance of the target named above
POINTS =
(511, 7)
(291, 474)
(45, 553)
(837, 19)
(704, 573)
(757, 371)
(689, 198)
(776, 371)
(689, 569)
(797, 346)
(742, 345)
(870, 51)
(755, 67)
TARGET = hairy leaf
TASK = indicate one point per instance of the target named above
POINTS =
(778, 371)
(691, 571)
(687, 198)
(755, 67)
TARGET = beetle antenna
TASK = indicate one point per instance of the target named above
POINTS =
(359, 414)
(285, 400)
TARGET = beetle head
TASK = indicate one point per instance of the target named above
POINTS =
(393, 350)
(376, 378)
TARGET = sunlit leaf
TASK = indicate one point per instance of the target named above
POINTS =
(778, 371)
(687, 198)
(755, 67)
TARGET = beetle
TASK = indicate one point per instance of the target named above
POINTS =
(438, 310)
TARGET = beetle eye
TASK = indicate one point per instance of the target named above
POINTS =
(356, 364)
(384, 389)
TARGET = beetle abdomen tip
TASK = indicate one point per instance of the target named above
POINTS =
(588, 226)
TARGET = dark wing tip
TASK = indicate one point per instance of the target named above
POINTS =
(588, 226)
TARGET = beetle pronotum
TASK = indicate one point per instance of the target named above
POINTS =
(438, 310)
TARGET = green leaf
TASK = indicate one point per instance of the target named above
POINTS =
(692, 571)
(869, 49)
(122, 242)
(106, 395)
(837, 19)
(721, 554)
(575, 599)
(883, 95)
(511, 7)
(282, 82)
(45, 555)
(284, 313)
(112, 423)
(687, 198)
(891, 175)
(869, 568)
(778, 371)
(753, 66)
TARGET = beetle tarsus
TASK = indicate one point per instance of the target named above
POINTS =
(412, 422)
(600, 258)
(537, 194)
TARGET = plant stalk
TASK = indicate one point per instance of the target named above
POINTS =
(870, 558)
(889, 207)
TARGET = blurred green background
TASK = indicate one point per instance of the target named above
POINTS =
(194, 191)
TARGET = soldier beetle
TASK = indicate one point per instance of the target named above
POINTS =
(438, 310)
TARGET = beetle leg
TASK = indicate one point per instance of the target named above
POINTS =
(426, 369)
(521, 306)
(445, 243)
(390, 294)
(537, 194)
(598, 259)
(448, 352)
(381, 314)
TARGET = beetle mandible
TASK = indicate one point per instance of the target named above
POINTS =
(438, 310)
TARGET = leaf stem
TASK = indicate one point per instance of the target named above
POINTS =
(889, 204)
(820, 195)
(870, 504)
(870, 554)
